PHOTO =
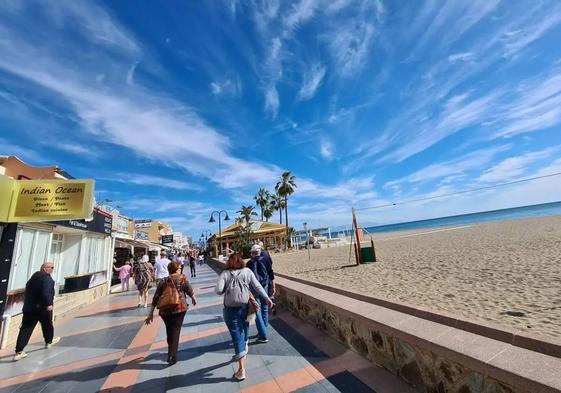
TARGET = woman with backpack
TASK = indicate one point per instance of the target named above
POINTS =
(171, 299)
(234, 283)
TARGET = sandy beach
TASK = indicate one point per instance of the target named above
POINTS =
(476, 271)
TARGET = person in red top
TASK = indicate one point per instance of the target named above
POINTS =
(173, 318)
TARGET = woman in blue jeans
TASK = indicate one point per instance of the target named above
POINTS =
(234, 284)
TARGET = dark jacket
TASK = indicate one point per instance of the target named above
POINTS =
(39, 292)
(262, 267)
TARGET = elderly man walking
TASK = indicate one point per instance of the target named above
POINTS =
(38, 307)
(262, 266)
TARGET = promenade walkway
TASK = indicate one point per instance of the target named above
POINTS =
(107, 348)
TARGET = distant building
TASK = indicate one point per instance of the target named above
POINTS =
(152, 230)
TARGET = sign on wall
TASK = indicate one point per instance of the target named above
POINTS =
(142, 223)
(167, 239)
(101, 222)
(47, 200)
(141, 235)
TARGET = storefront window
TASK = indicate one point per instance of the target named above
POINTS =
(95, 255)
(32, 250)
(71, 255)
(55, 257)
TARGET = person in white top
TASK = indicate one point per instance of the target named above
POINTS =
(161, 267)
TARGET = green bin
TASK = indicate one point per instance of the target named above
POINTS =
(366, 255)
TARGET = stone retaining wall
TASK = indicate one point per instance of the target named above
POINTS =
(432, 357)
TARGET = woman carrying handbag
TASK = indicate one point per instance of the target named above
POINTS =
(234, 283)
(171, 299)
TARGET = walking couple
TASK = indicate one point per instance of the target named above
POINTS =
(246, 291)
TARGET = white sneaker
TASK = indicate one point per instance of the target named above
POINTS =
(54, 342)
(19, 356)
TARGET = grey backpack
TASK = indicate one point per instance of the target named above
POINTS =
(237, 291)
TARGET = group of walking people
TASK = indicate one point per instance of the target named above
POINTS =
(248, 291)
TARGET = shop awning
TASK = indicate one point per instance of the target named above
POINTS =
(151, 246)
(127, 243)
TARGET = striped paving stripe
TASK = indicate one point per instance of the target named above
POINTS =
(63, 369)
(127, 371)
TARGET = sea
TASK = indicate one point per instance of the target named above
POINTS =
(515, 213)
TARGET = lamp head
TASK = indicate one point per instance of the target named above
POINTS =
(226, 218)
(211, 219)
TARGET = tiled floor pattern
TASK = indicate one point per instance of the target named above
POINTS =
(107, 348)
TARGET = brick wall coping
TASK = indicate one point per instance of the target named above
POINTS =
(533, 342)
(513, 365)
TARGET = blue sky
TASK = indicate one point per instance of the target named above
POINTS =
(180, 108)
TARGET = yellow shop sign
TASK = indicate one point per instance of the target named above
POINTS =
(50, 200)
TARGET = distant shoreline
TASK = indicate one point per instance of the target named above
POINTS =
(514, 213)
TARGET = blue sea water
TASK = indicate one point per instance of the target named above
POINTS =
(515, 213)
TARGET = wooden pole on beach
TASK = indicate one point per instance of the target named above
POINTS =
(357, 237)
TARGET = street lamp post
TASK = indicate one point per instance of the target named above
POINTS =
(226, 218)
(204, 235)
(307, 239)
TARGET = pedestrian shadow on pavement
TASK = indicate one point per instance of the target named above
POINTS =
(133, 311)
(200, 376)
(204, 322)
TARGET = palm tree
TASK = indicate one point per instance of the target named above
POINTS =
(246, 212)
(284, 188)
(262, 200)
(268, 212)
(277, 203)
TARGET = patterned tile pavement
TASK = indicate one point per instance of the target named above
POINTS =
(107, 348)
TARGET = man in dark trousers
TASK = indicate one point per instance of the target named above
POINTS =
(262, 267)
(38, 307)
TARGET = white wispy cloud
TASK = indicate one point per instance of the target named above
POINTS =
(337, 5)
(226, 87)
(461, 165)
(326, 149)
(465, 56)
(137, 118)
(351, 190)
(537, 107)
(10, 149)
(457, 113)
(448, 21)
(427, 102)
(299, 13)
(350, 45)
(95, 21)
(77, 149)
(272, 101)
(130, 73)
(312, 79)
(151, 181)
(273, 71)
(514, 167)
(166, 205)
(521, 36)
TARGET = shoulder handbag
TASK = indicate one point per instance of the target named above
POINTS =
(170, 298)
(252, 308)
